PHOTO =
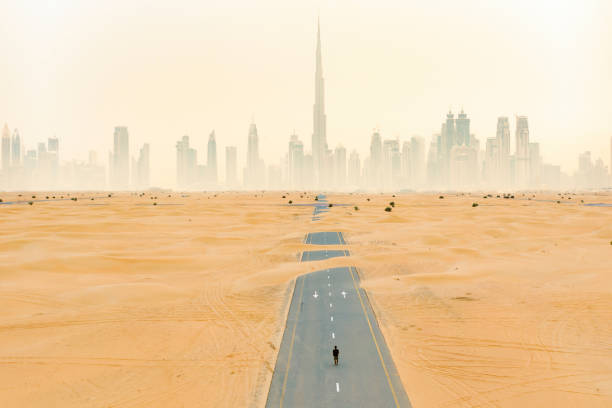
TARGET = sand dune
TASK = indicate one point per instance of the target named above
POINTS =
(116, 302)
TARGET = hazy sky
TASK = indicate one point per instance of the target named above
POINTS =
(78, 68)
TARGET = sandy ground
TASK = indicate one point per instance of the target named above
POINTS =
(115, 302)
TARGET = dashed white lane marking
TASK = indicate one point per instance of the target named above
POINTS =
(327, 276)
(332, 318)
(333, 335)
(330, 305)
(329, 293)
(329, 284)
(337, 387)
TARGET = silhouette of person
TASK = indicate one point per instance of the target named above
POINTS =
(335, 353)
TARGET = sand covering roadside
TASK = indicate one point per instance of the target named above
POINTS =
(116, 302)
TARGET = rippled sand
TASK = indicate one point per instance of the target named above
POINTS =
(116, 302)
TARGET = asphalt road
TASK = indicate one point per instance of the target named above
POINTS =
(323, 254)
(328, 308)
(324, 238)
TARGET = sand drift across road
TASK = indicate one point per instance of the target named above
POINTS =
(329, 308)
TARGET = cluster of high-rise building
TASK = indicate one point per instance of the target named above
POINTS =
(190, 174)
(29, 168)
(453, 161)
(40, 168)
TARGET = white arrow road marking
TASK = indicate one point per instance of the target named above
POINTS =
(333, 335)
(343, 294)
(337, 387)
(316, 295)
(332, 318)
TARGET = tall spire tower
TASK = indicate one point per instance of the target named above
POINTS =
(319, 134)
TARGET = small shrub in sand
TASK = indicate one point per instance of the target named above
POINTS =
(356, 208)
(388, 209)
(0, 200)
(330, 205)
(73, 198)
(392, 204)
(154, 203)
(441, 197)
(30, 202)
(317, 198)
(474, 204)
(290, 201)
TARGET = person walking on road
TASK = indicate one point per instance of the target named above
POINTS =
(336, 353)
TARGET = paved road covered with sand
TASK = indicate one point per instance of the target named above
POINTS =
(127, 304)
(329, 309)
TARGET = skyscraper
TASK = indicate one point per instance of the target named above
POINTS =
(391, 163)
(254, 172)
(6, 148)
(535, 165)
(375, 162)
(340, 167)
(211, 163)
(231, 166)
(502, 138)
(186, 163)
(522, 152)
(462, 130)
(295, 162)
(406, 167)
(143, 167)
(120, 173)
(319, 132)
(53, 157)
(417, 160)
(16, 149)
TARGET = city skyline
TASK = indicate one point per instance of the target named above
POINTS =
(271, 144)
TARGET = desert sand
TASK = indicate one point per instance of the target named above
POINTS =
(116, 302)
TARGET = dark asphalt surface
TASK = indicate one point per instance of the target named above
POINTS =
(328, 308)
(324, 238)
(323, 254)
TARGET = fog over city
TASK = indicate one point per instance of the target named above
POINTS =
(347, 95)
